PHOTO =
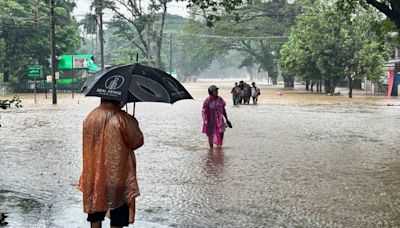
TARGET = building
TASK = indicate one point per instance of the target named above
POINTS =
(393, 75)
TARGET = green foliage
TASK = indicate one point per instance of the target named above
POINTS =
(191, 53)
(257, 31)
(24, 37)
(325, 44)
(89, 24)
(144, 26)
(3, 216)
(391, 8)
(212, 10)
(16, 101)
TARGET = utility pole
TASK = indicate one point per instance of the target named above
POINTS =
(36, 15)
(101, 32)
(148, 43)
(53, 51)
(72, 77)
(170, 53)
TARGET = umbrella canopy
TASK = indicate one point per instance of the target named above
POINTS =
(135, 83)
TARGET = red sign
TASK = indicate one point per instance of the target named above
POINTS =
(390, 81)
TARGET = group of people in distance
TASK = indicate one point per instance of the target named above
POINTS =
(242, 92)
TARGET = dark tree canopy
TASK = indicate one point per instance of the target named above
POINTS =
(212, 8)
(391, 8)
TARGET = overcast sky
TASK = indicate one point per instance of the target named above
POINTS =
(83, 7)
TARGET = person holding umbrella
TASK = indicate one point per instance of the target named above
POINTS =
(108, 179)
(213, 114)
(110, 135)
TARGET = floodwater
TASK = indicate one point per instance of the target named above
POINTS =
(297, 160)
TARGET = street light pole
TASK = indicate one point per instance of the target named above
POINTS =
(53, 51)
(101, 33)
(148, 43)
(72, 76)
(170, 53)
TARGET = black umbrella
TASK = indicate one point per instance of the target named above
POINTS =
(135, 83)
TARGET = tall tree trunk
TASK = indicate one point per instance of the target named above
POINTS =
(312, 86)
(274, 78)
(320, 86)
(159, 46)
(93, 53)
(307, 85)
(160, 36)
(289, 82)
(350, 87)
(7, 55)
(330, 86)
(317, 86)
(6, 75)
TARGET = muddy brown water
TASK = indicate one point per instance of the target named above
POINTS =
(298, 160)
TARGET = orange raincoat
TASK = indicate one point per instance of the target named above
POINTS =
(108, 178)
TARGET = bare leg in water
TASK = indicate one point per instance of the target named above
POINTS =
(95, 224)
(210, 142)
(222, 139)
(98, 225)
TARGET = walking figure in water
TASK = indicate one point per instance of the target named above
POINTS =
(255, 92)
(213, 117)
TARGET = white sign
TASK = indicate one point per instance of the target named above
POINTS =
(49, 78)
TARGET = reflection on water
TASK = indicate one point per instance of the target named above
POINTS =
(298, 160)
(214, 162)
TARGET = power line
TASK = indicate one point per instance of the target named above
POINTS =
(20, 18)
(126, 44)
(230, 37)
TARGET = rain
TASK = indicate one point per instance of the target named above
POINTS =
(318, 149)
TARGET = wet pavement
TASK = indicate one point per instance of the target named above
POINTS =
(298, 160)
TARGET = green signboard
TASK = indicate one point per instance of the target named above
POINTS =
(35, 71)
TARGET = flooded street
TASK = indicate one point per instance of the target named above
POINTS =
(298, 160)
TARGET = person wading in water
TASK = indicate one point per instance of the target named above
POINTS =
(213, 113)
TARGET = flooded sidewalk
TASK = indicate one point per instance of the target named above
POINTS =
(298, 160)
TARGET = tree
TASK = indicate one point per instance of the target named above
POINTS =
(327, 45)
(140, 22)
(89, 33)
(257, 31)
(89, 23)
(24, 35)
(212, 8)
(391, 8)
(193, 54)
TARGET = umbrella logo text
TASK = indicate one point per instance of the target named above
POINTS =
(115, 82)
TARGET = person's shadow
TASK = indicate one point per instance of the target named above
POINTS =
(214, 162)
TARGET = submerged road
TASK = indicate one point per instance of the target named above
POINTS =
(298, 160)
